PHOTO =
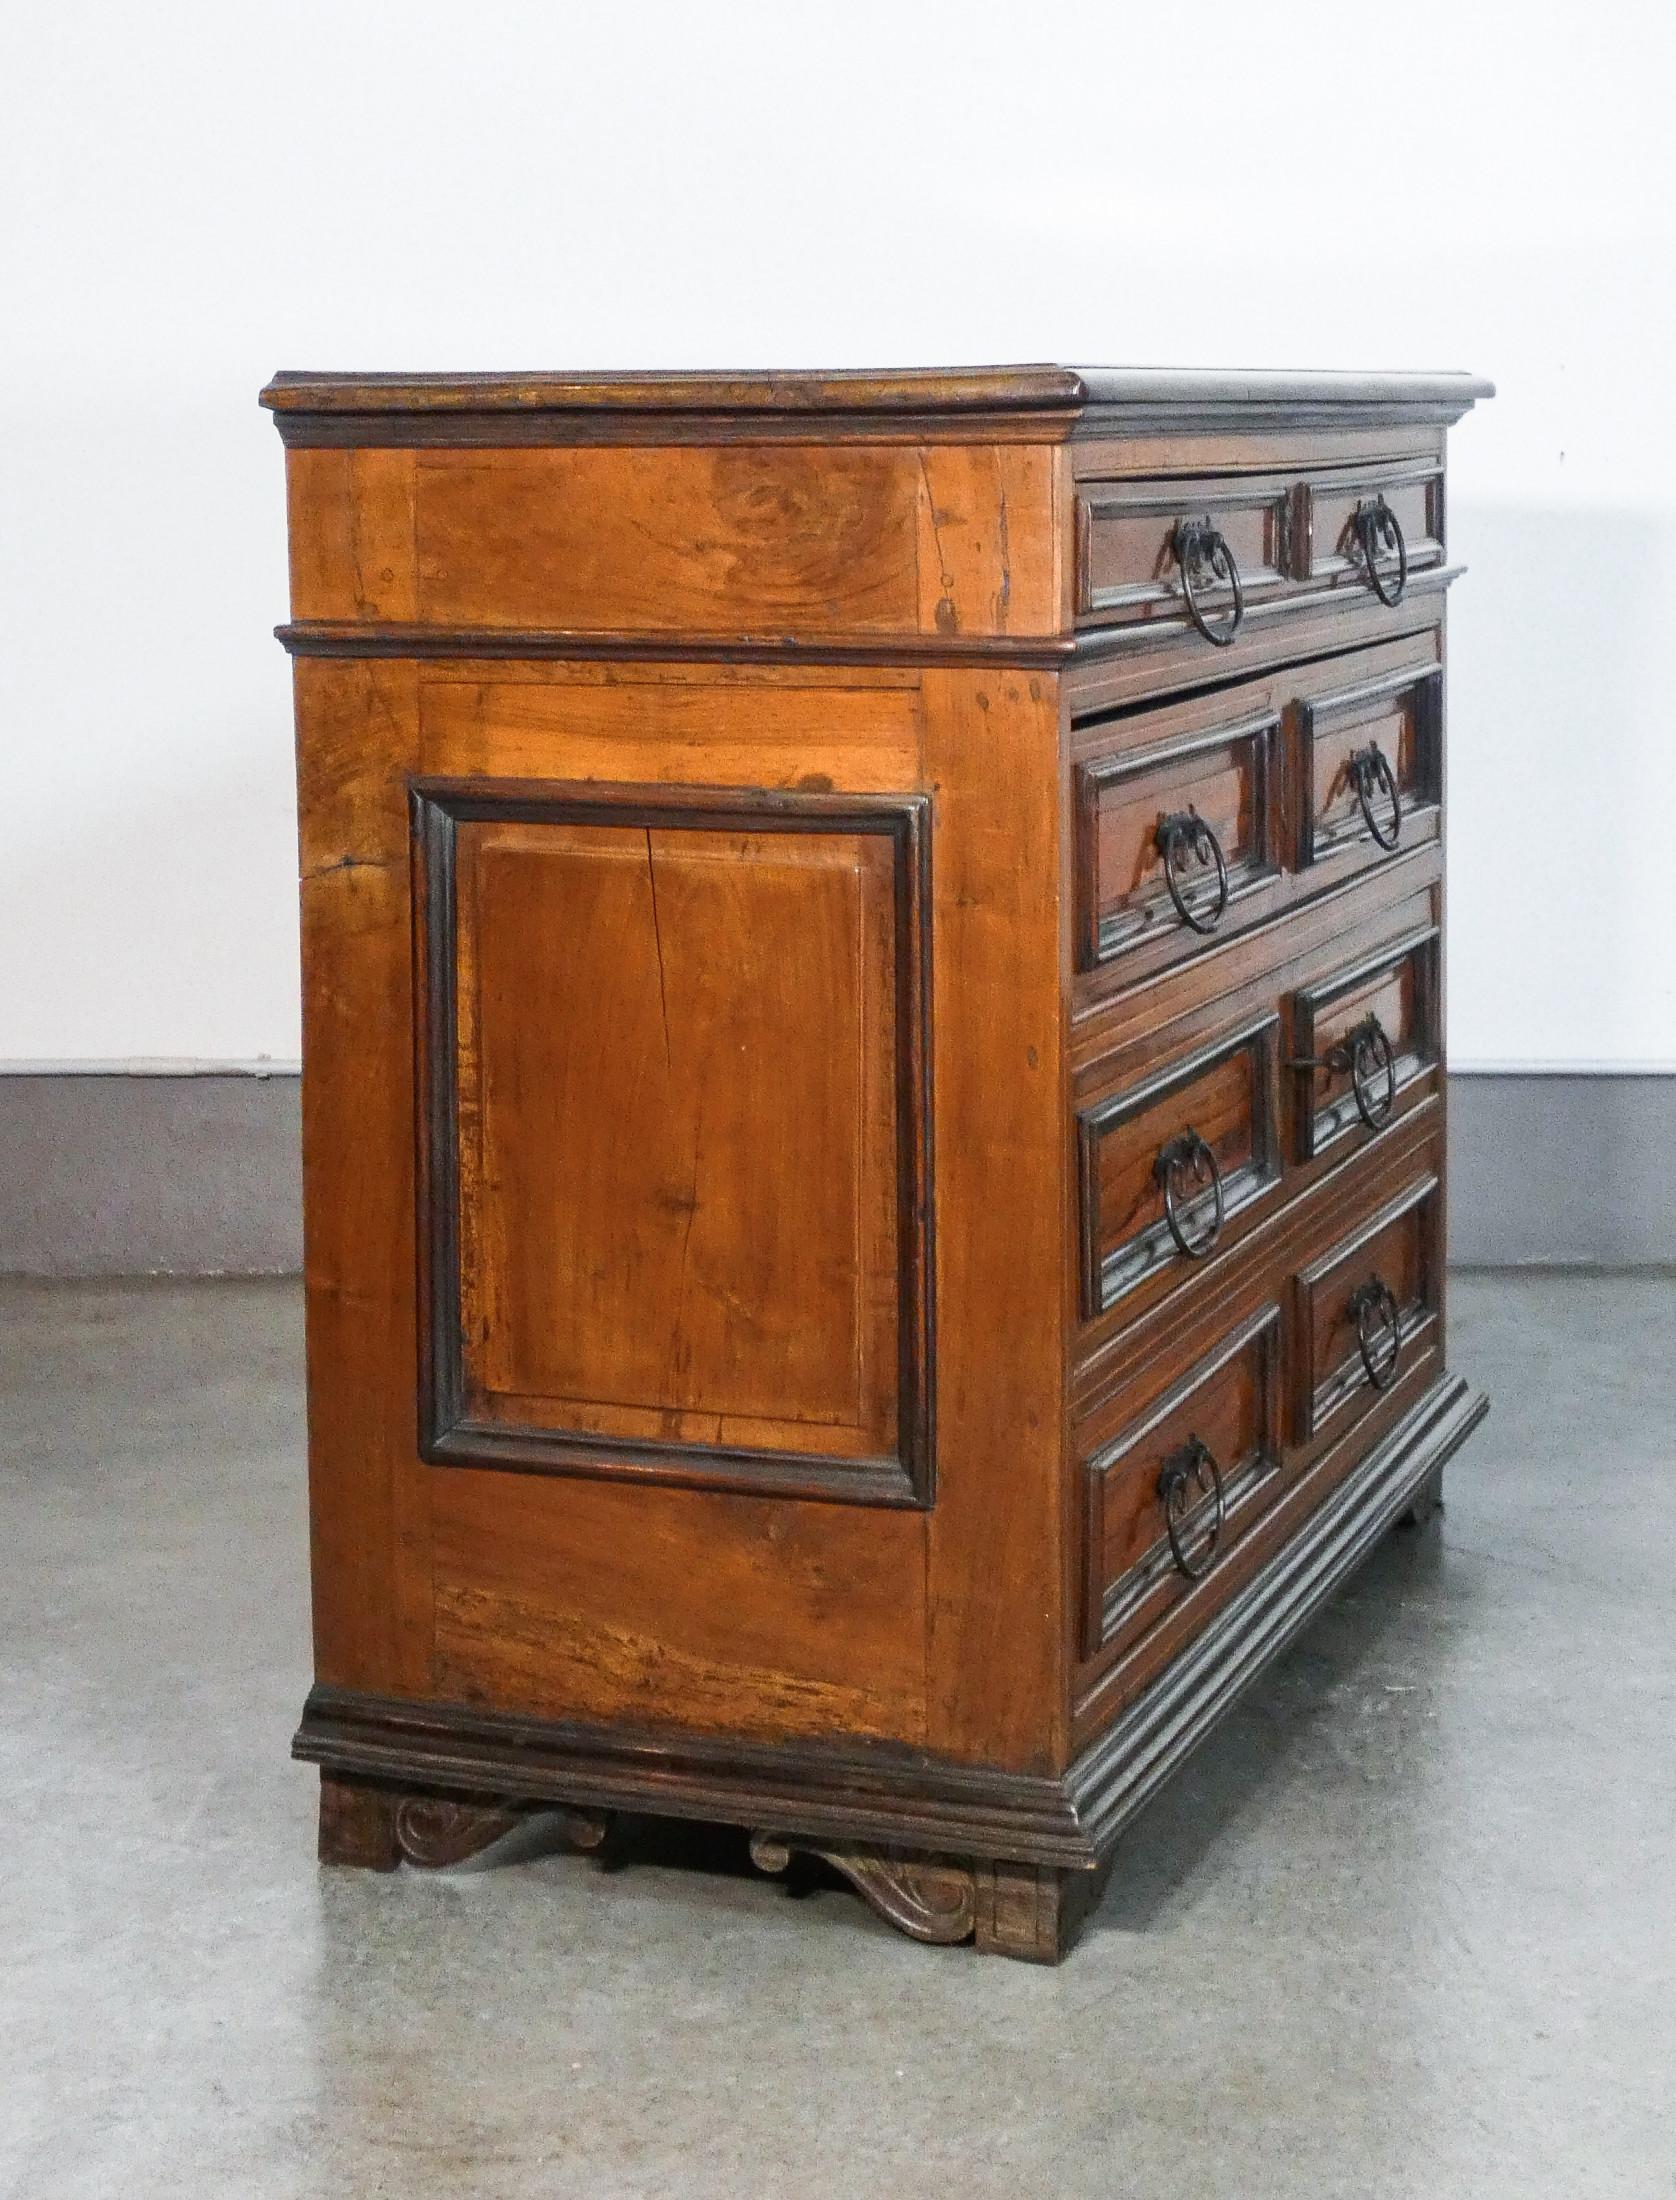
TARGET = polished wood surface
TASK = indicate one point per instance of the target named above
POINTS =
(794, 1201)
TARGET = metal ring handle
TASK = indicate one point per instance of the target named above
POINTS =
(1371, 1058)
(1189, 1155)
(1192, 1463)
(1375, 1297)
(1371, 774)
(1201, 548)
(1189, 826)
(1376, 523)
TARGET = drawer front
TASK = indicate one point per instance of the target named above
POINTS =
(1362, 1037)
(1174, 1489)
(1334, 510)
(1368, 1308)
(1175, 837)
(1197, 819)
(1167, 1163)
(1132, 536)
(1370, 756)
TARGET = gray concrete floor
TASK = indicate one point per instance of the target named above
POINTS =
(1405, 1927)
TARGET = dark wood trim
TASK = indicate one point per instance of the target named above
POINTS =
(1040, 402)
(448, 1433)
(591, 428)
(1084, 652)
(329, 638)
(886, 1793)
(1263, 608)
(1106, 1278)
(751, 393)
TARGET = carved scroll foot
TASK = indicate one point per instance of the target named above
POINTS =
(379, 1828)
(1029, 1911)
(926, 1897)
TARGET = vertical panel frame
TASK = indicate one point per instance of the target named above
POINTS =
(448, 1434)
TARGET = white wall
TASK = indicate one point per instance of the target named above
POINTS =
(196, 192)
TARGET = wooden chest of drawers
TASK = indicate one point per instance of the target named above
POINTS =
(873, 1090)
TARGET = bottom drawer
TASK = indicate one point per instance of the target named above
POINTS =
(1212, 1441)
(1368, 1308)
(1171, 1491)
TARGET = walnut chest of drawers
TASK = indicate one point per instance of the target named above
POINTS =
(873, 1091)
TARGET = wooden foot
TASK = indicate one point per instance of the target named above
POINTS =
(1034, 1912)
(378, 1828)
(358, 1824)
(1427, 1501)
(1029, 1911)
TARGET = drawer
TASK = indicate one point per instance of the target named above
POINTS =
(1167, 1163)
(1178, 827)
(1169, 1493)
(1397, 511)
(1370, 753)
(1198, 556)
(1147, 550)
(1368, 1307)
(1363, 1035)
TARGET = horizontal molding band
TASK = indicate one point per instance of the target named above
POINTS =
(1027, 652)
(1036, 403)
(328, 638)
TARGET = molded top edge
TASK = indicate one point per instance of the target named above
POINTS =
(907, 390)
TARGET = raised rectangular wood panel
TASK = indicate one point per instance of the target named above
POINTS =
(675, 1057)
(751, 1054)
(1331, 550)
(1127, 564)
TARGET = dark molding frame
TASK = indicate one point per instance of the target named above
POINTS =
(448, 1435)
(887, 1792)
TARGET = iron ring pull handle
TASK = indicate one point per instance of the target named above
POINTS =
(1189, 1156)
(1365, 1051)
(1202, 553)
(1373, 1305)
(1193, 1463)
(1373, 1071)
(1187, 827)
(1377, 525)
(1371, 774)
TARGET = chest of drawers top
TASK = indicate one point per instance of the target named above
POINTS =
(1037, 514)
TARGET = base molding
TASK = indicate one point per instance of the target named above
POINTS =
(946, 1851)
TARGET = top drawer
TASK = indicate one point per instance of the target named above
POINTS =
(1199, 557)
